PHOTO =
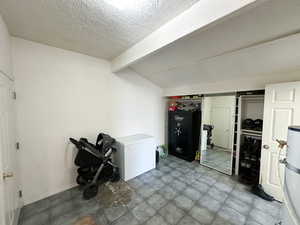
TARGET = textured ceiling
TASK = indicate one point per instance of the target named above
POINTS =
(262, 60)
(222, 52)
(100, 28)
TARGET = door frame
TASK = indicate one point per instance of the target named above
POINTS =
(2, 205)
(8, 83)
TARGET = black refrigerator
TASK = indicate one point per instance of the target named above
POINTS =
(184, 133)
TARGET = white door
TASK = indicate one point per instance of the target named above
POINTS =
(222, 115)
(221, 120)
(282, 109)
(9, 182)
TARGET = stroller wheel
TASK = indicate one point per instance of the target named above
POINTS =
(80, 180)
(115, 176)
(90, 191)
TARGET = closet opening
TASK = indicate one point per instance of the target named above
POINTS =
(201, 128)
(220, 131)
(250, 111)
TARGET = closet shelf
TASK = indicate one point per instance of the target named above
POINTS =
(187, 100)
(252, 134)
(252, 131)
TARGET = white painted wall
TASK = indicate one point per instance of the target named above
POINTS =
(135, 106)
(63, 94)
(206, 108)
(5, 50)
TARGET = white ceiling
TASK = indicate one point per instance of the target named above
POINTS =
(92, 27)
(256, 43)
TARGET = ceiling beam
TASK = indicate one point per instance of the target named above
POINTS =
(201, 15)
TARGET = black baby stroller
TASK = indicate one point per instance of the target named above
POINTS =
(95, 163)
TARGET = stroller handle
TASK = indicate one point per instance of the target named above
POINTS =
(73, 141)
(98, 151)
(83, 144)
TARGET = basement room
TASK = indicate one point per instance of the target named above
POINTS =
(149, 112)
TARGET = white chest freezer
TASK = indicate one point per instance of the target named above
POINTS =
(292, 178)
(135, 155)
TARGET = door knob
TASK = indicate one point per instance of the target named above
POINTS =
(266, 146)
(7, 175)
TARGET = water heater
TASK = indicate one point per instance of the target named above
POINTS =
(291, 210)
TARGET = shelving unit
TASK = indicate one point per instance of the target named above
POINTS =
(250, 106)
(235, 157)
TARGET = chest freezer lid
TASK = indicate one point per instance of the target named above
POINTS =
(133, 138)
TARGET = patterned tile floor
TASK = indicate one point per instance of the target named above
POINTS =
(177, 192)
